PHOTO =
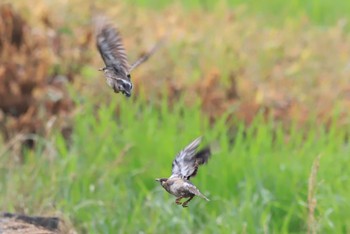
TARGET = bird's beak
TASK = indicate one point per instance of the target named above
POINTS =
(158, 180)
(126, 93)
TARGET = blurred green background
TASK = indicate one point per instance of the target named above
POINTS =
(318, 11)
(265, 82)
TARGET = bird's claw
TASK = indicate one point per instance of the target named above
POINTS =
(178, 201)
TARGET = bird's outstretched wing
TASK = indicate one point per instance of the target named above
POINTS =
(146, 56)
(110, 46)
(188, 160)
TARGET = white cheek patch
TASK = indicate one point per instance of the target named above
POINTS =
(126, 84)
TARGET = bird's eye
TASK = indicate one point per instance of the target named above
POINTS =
(127, 86)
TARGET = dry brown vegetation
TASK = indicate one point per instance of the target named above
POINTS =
(311, 198)
(34, 74)
(292, 72)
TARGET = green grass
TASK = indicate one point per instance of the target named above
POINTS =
(320, 11)
(103, 180)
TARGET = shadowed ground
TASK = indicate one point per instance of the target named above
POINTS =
(12, 223)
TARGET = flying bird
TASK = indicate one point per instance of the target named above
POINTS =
(185, 166)
(117, 69)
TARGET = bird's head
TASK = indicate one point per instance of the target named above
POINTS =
(162, 181)
(119, 82)
(124, 86)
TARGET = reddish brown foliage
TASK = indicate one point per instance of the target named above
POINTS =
(245, 69)
(29, 95)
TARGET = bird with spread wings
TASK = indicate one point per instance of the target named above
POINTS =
(185, 166)
(117, 69)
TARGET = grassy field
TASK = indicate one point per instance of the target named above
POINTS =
(268, 176)
(104, 181)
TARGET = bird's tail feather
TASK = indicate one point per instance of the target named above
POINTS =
(204, 197)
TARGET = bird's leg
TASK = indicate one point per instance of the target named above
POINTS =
(187, 201)
(115, 89)
(178, 200)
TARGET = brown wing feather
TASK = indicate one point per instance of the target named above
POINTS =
(146, 56)
(201, 158)
(110, 46)
(188, 160)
